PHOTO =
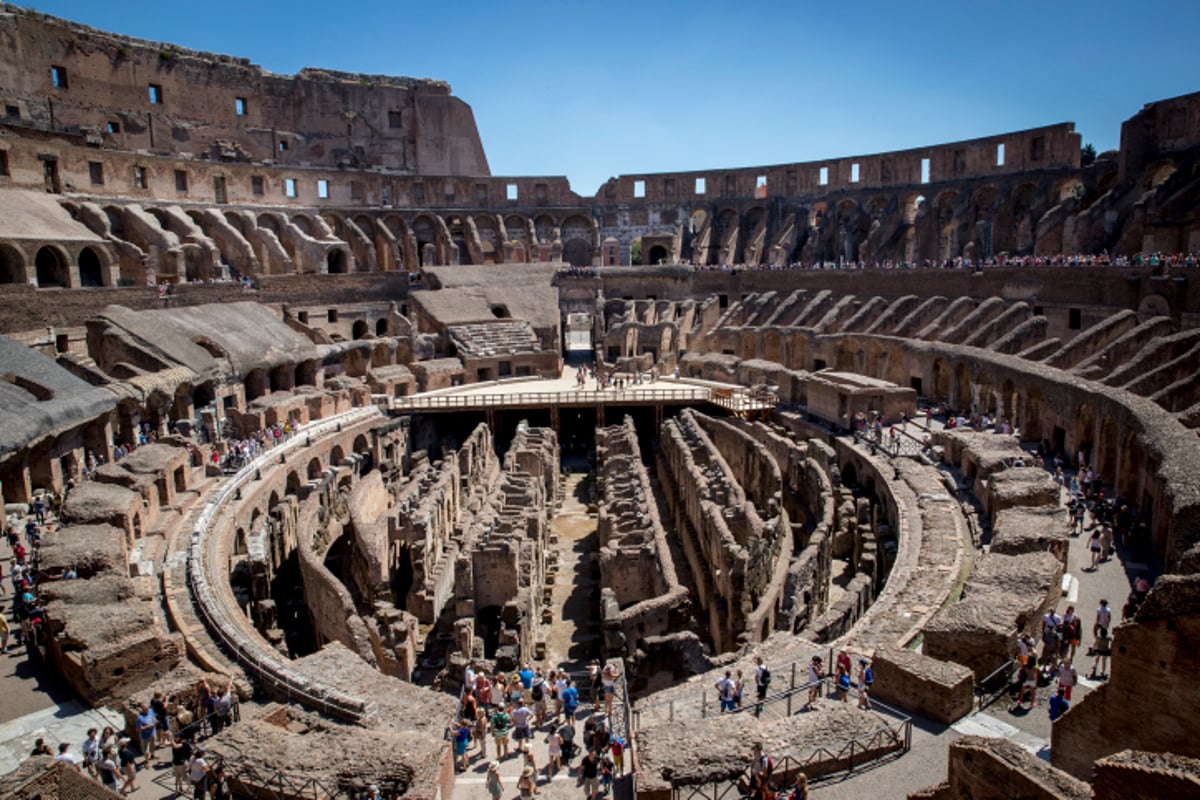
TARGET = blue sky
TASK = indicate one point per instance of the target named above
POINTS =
(594, 90)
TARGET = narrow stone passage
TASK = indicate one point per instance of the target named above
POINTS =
(573, 635)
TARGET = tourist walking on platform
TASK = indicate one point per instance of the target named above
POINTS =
(1067, 678)
(554, 752)
(495, 786)
(1103, 647)
(501, 723)
(609, 678)
(866, 677)
(815, 673)
(725, 690)
(762, 683)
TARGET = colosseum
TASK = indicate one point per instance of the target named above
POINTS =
(318, 438)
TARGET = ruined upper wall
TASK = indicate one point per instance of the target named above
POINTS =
(130, 94)
(1049, 147)
(1160, 128)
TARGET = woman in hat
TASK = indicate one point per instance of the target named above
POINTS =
(494, 785)
(527, 784)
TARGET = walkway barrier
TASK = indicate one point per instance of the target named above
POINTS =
(260, 661)
(996, 683)
(891, 741)
(735, 399)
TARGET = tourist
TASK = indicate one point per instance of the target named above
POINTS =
(1059, 703)
(1029, 680)
(66, 756)
(843, 684)
(559, 681)
(483, 689)
(570, 702)
(501, 723)
(816, 673)
(147, 727)
(223, 708)
(537, 693)
(762, 683)
(739, 689)
(1103, 617)
(181, 754)
(460, 732)
(1103, 648)
(481, 731)
(40, 748)
(203, 702)
(609, 677)
(109, 773)
(1096, 548)
(1072, 632)
(470, 707)
(218, 784)
(1106, 542)
(1067, 678)
(198, 774)
(761, 769)
(522, 715)
(726, 688)
(595, 683)
(128, 763)
(91, 750)
(495, 786)
(526, 676)
(866, 677)
(3, 632)
(589, 774)
(554, 752)
(531, 764)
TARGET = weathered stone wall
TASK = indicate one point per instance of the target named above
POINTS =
(998, 769)
(1138, 775)
(935, 689)
(636, 564)
(1154, 659)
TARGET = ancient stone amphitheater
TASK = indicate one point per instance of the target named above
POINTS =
(299, 381)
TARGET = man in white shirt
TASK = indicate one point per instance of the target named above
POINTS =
(66, 756)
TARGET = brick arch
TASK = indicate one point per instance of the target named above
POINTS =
(12, 264)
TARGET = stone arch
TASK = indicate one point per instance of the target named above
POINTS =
(359, 329)
(940, 382)
(237, 221)
(306, 225)
(1085, 425)
(292, 487)
(52, 270)
(362, 449)
(91, 268)
(488, 230)
(255, 384)
(1008, 404)
(1031, 420)
(336, 456)
(314, 469)
(543, 228)
(1106, 452)
(578, 241)
(657, 253)
(1153, 305)
(382, 326)
(1131, 463)
(336, 261)
(12, 264)
(116, 220)
(425, 229)
(961, 398)
(914, 207)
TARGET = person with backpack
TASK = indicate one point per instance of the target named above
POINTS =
(866, 677)
(758, 785)
(537, 693)
(725, 691)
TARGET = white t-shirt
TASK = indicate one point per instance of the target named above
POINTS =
(1103, 616)
(197, 770)
(68, 758)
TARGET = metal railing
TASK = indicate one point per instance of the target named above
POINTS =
(996, 683)
(774, 704)
(207, 604)
(820, 762)
(734, 399)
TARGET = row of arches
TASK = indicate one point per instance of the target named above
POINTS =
(52, 266)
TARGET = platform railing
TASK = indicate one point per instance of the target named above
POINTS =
(219, 619)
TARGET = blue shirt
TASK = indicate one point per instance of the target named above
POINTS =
(570, 698)
(526, 678)
(1058, 707)
(146, 724)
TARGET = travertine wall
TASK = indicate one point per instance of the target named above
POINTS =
(998, 769)
(635, 559)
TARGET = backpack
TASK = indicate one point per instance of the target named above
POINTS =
(766, 676)
(538, 693)
(868, 676)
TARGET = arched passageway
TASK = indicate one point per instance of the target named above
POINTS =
(91, 271)
(51, 268)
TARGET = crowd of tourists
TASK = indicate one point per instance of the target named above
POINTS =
(536, 704)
